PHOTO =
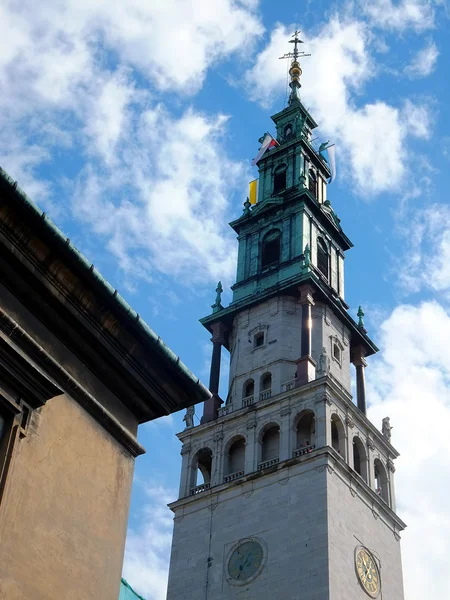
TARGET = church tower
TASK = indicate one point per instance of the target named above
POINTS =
(287, 488)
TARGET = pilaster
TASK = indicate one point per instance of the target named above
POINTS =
(186, 469)
(250, 447)
(285, 433)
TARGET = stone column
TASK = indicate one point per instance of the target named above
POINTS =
(349, 428)
(285, 434)
(323, 421)
(370, 463)
(391, 487)
(211, 405)
(250, 446)
(217, 465)
(358, 355)
(186, 470)
(306, 366)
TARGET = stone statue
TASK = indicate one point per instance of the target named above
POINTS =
(360, 315)
(323, 364)
(386, 428)
(189, 417)
(307, 255)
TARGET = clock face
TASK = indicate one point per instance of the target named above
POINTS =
(368, 573)
(245, 561)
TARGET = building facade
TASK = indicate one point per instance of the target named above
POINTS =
(79, 371)
(287, 489)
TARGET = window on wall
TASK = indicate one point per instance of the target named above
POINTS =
(312, 185)
(337, 352)
(279, 180)
(322, 257)
(249, 389)
(258, 340)
(271, 249)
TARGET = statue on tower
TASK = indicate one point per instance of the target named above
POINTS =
(189, 417)
(386, 428)
(323, 364)
(218, 303)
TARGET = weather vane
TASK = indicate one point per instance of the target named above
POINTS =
(295, 71)
(296, 54)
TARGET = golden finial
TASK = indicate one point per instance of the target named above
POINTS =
(295, 71)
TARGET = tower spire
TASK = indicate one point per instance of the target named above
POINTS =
(295, 71)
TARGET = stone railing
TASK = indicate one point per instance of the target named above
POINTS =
(200, 488)
(248, 401)
(288, 385)
(268, 463)
(233, 476)
(304, 450)
(265, 394)
(225, 410)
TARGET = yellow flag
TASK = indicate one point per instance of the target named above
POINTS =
(253, 188)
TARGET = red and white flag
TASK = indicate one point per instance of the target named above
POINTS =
(268, 142)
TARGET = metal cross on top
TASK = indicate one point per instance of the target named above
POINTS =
(296, 54)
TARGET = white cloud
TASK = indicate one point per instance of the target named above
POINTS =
(426, 264)
(155, 187)
(424, 63)
(147, 550)
(411, 384)
(415, 14)
(333, 77)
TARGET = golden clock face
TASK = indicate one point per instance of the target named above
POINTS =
(368, 573)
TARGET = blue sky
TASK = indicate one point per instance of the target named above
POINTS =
(133, 125)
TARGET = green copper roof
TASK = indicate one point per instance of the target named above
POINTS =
(127, 592)
(190, 380)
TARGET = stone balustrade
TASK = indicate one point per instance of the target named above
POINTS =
(225, 410)
(248, 401)
(288, 385)
(303, 450)
(268, 463)
(233, 476)
(265, 394)
(200, 488)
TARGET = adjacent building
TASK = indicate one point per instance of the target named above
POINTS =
(79, 371)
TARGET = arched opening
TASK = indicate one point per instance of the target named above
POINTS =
(322, 257)
(337, 435)
(270, 252)
(381, 481)
(235, 460)
(248, 391)
(359, 458)
(312, 183)
(305, 433)
(201, 471)
(270, 447)
(288, 131)
(279, 179)
(265, 386)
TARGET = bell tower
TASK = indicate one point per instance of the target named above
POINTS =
(287, 488)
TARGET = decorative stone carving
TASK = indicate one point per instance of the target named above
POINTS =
(284, 481)
(350, 422)
(218, 436)
(189, 417)
(375, 514)
(185, 449)
(370, 443)
(390, 465)
(386, 428)
(286, 410)
(251, 421)
(323, 364)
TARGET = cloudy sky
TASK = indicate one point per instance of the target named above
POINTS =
(133, 125)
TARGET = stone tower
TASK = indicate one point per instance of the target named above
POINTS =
(287, 489)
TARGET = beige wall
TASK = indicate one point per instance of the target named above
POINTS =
(63, 518)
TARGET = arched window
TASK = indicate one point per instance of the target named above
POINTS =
(270, 446)
(270, 254)
(248, 389)
(322, 257)
(236, 458)
(201, 471)
(381, 480)
(279, 179)
(265, 386)
(359, 458)
(306, 433)
(288, 131)
(337, 435)
(312, 185)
